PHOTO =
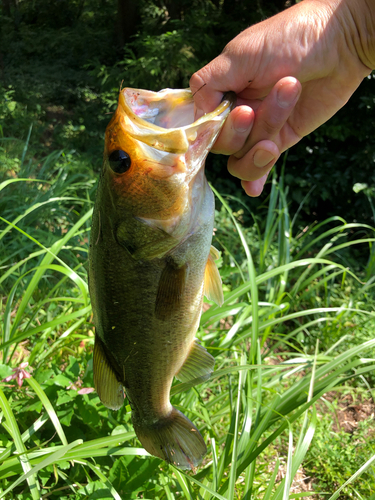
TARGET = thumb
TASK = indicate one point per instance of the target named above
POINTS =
(210, 83)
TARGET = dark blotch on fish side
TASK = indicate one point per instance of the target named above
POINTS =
(119, 161)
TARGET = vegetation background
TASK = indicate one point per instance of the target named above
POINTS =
(294, 340)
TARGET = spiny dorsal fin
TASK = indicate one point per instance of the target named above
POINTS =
(107, 386)
(213, 289)
(171, 289)
(198, 365)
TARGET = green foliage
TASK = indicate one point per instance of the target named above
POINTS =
(259, 404)
(297, 321)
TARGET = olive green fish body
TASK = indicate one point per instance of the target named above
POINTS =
(150, 263)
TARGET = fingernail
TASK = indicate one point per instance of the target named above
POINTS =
(243, 121)
(287, 94)
(262, 158)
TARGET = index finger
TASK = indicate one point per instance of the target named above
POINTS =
(210, 83)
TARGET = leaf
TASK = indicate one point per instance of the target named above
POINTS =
(21, 449)
(73, 369)
(49, 408)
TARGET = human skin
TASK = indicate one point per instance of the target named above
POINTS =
(291, 73)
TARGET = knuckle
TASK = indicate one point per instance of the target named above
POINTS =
(240, 168)
(196, 81)
(270, 126)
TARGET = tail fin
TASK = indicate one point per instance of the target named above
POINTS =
(174, 439)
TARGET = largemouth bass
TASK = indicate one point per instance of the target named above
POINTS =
(151, 261)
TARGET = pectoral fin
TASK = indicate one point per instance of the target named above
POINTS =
(107, 386)
(171, 289)
(213, 289)
(142, 240)
(155, 249)
(198, 365)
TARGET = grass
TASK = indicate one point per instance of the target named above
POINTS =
(296, 325)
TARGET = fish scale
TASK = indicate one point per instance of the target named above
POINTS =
(151, 261)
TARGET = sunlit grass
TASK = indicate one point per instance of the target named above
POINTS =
(295, 324)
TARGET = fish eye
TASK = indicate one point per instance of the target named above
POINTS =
(119, 161)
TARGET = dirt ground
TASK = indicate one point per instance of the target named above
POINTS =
(349, 413)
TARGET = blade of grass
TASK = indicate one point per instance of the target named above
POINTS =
(352, 478)
(288, 475)
(183, 483)
(232, 473)
(202, 486)
(164, 482)
(20, 447)
(50, 324)
(330, 232)
(14, 268)
(271, 484)
(12, 224)
(25, 436)
(323, 386)
(244, 288)
(49, 408)
(297, 315)
(26, 146)
(51, 459)
(103, 479)
(214, 464)
(252, 281)
(49, 257)
(6, 183)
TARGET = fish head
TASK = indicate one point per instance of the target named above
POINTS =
(154, 149)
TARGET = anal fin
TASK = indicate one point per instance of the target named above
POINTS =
(109, 389)
(198, 366)
(213, 289)
(171, 289)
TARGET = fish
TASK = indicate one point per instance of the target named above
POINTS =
(151, 261)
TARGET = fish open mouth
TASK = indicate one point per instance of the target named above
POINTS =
(165, 120)
(168, 108)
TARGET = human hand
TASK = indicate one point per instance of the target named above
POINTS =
(313, 43)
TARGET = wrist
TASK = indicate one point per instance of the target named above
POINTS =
(343, 36)
(357, 19)
(349, 33)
